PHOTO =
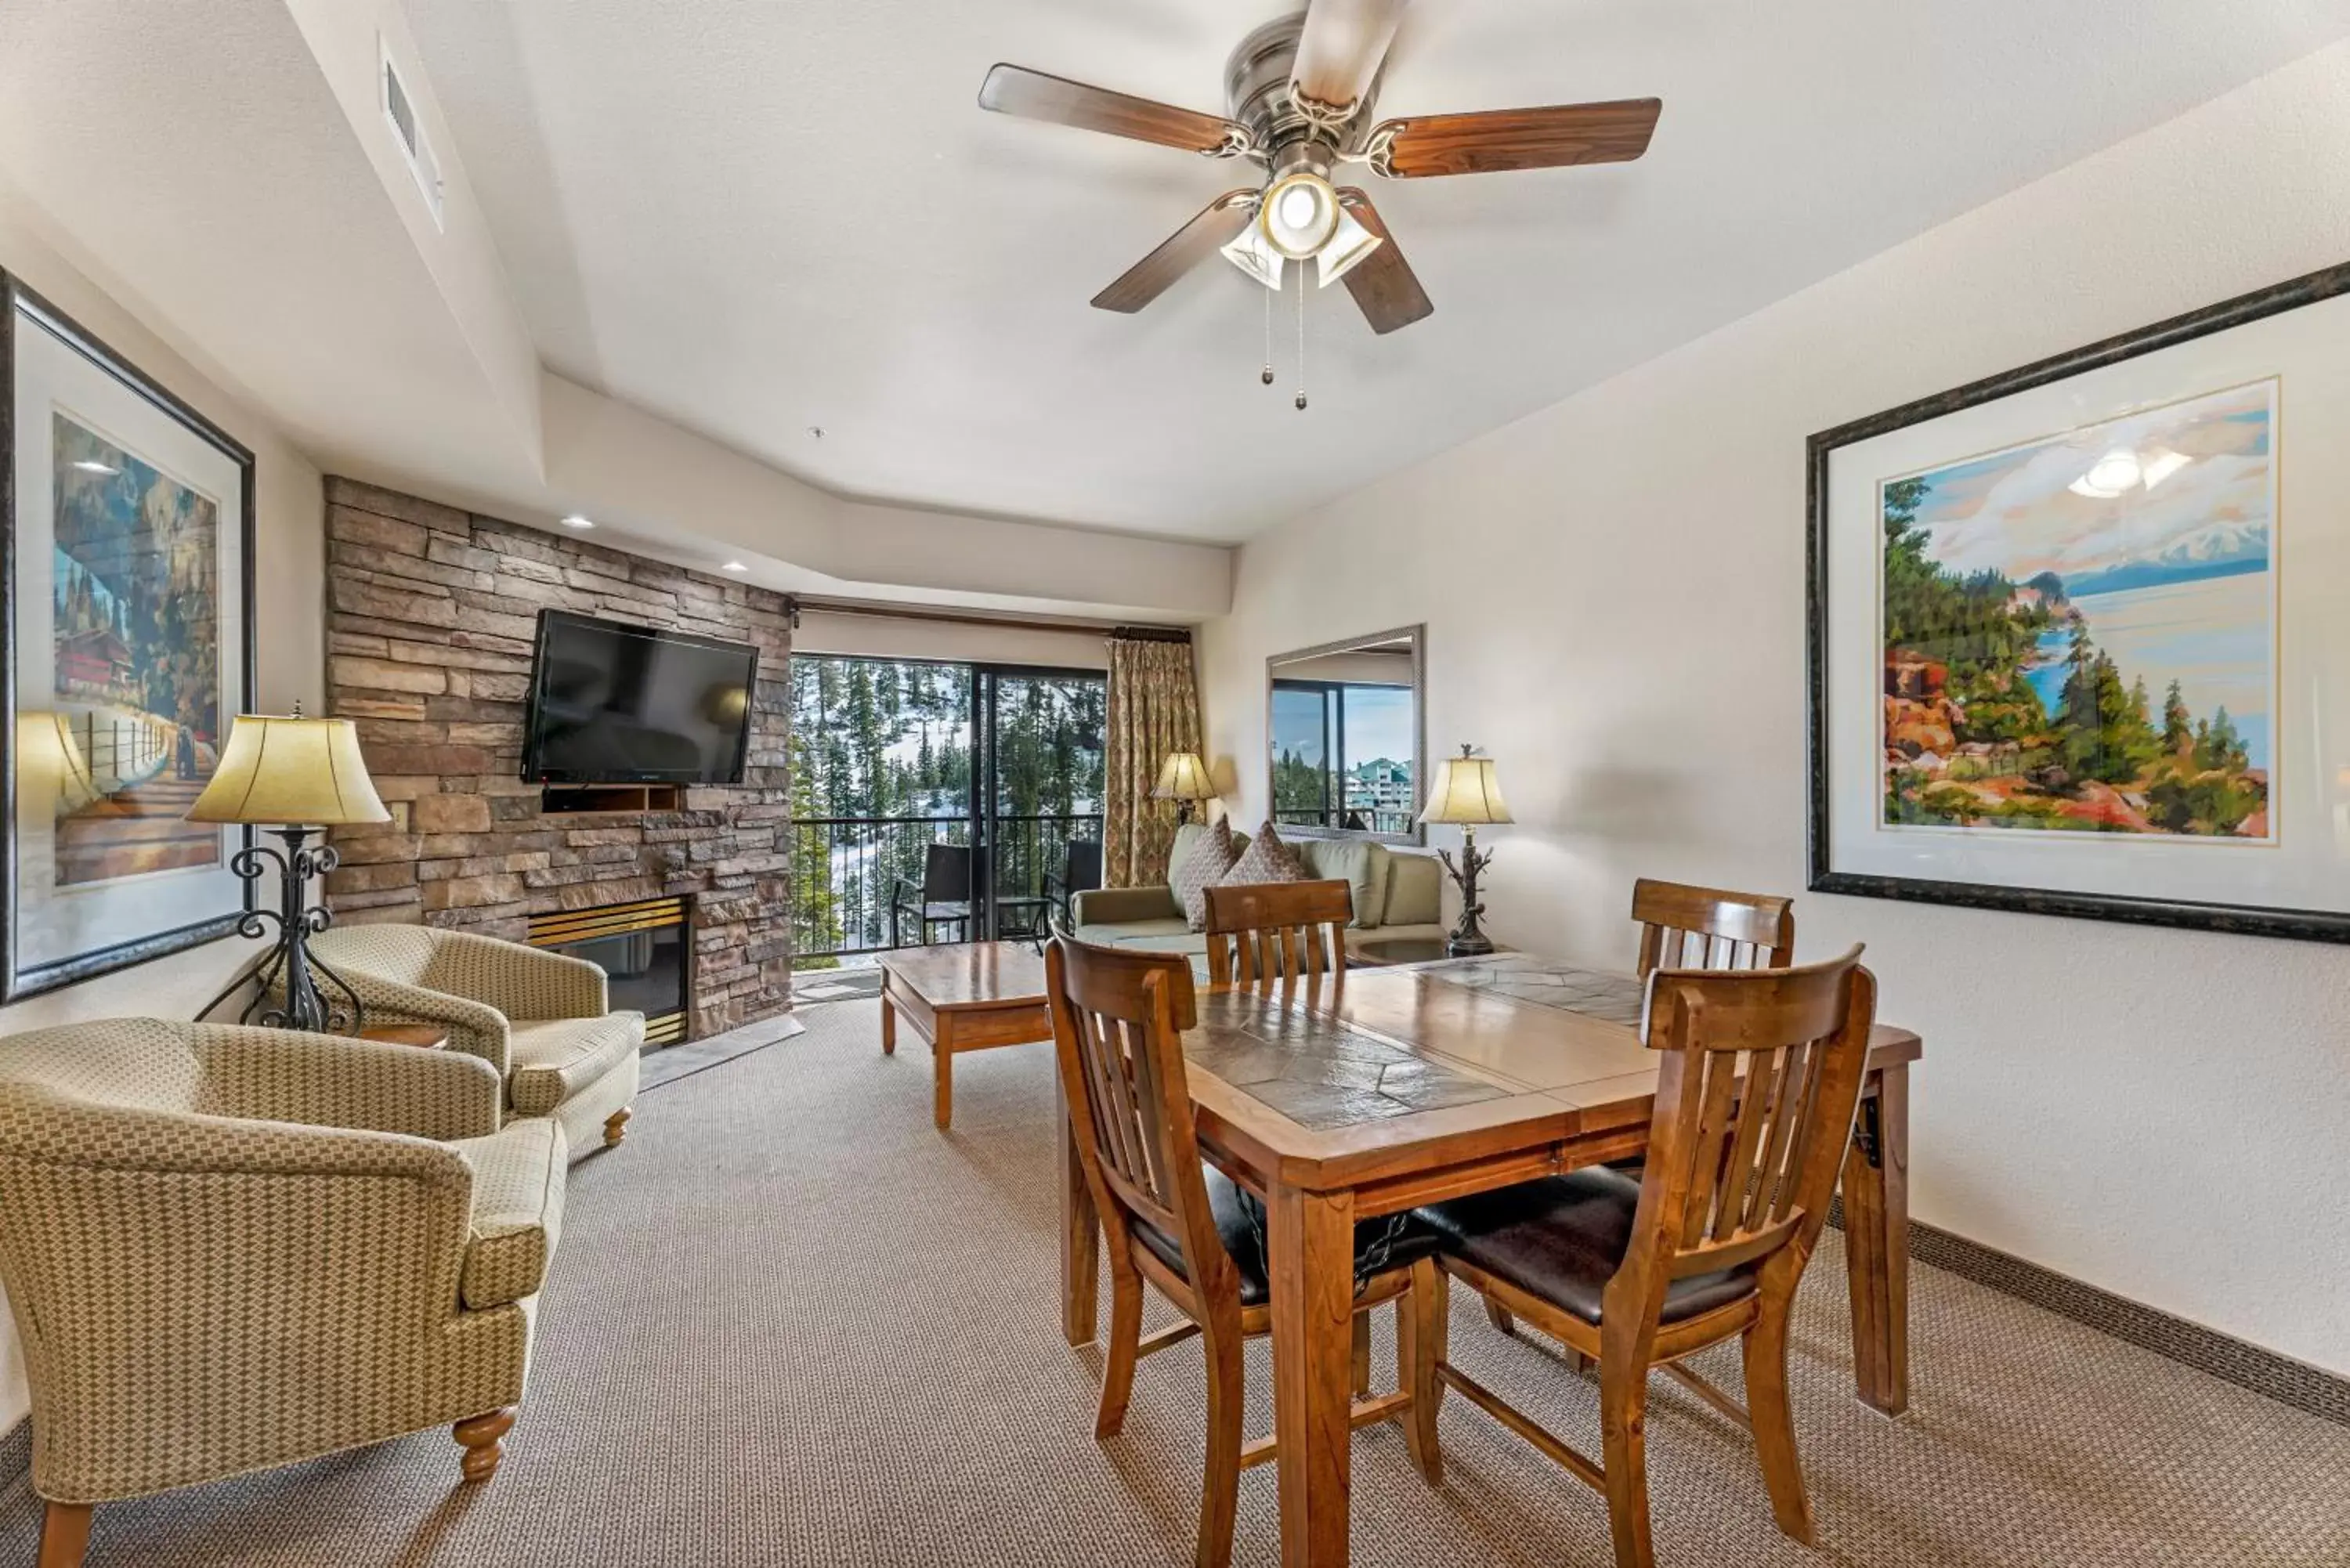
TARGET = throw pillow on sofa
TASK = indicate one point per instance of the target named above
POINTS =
(1210, 856)
(1266, 860)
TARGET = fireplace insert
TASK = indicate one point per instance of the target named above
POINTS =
(643, 947)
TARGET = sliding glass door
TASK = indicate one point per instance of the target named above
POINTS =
(999, 766)
(1040, 785)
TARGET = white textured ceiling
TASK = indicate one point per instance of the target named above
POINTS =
(753, 218)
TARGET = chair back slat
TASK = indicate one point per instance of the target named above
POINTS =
(1716, 1101)
(1754, 1107)
(1773, 1191)
(1705, 928)
(1117, 1023)
(1108, 1106)
(1272, 933)
(1150, 1111)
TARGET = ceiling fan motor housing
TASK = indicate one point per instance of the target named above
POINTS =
(1256, 85)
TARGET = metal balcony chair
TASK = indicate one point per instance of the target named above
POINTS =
(943, 898)
(1081, 872)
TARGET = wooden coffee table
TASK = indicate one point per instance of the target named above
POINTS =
(967, 996)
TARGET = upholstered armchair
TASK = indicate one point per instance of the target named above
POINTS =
(539, 1018)
(228, 1249)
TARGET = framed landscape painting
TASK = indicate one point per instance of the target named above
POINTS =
(129, 645)
(2077, 640)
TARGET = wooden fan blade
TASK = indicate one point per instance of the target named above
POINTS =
(1508, 139)
(1218, 224)
(1033, 94)
(1383, 283)
(1341, 48)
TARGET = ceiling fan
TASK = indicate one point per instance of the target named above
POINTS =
(1300, 91)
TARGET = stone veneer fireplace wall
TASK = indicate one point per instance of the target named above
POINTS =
(430, 620)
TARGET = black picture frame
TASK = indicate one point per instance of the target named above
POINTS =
(15, 984)
(2305, 925)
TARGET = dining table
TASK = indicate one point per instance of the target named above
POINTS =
(1374, 1092)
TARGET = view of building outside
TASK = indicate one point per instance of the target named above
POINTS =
(882, 758)
(1341, 754)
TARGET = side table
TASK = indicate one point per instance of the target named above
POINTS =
(423, 1036)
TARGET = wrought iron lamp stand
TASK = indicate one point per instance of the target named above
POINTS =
(304, 1004)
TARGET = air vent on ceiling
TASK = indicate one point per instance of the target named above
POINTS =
(400, 111)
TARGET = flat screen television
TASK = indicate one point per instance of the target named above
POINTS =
(615, 703)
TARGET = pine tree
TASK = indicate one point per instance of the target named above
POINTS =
(2176, 736)
(2220, 745)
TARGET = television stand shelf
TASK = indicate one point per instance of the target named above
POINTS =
(560, 799)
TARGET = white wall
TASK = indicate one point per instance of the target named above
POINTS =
(1614, 593)
(891, 636)
(290, 627)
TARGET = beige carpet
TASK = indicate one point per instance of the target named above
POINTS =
(792, 1324)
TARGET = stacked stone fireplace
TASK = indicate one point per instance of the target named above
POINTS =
(430, 620)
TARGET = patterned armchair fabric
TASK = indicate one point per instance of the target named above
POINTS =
(468, 984)
(228, 1249)
(541, 1018)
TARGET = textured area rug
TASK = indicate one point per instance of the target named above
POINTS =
(790, 1324)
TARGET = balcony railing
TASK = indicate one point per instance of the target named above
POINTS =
(845, 869)
(1374, 819)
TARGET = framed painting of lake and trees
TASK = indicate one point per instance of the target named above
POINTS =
(2075, 643)
(129, 552)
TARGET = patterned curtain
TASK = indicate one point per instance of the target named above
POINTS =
(1154, 709)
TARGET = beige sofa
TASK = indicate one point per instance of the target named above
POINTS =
(1397, 894)
(228, 1249)
(541, 1018)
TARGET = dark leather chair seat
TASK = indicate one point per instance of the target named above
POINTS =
(1379, 1244)
(1562, 1237)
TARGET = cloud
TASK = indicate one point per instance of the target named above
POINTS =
(2014, 511)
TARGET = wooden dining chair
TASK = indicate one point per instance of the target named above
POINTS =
(1761, 1078)
(1172, 1219)
(1696, 927)
(1706, 928)
(1265, 933)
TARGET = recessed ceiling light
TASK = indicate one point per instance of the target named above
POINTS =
(90, 465)
(576, 521)
(734, 566)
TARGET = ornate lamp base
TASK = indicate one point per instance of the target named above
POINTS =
(1467, 940)
(290, 967)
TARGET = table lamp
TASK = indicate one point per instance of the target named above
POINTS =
(1183, 779)
(299, 774)
(1466, 793)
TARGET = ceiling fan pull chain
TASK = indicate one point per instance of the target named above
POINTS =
(1300, 335)
(1267, 377)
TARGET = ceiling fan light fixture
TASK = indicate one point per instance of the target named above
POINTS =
(1256, 256)
(1299, 213)
(1349, 245)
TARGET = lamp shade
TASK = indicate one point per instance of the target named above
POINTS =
(1183, 776)
(290, 770)
(1466, 793)
(1349, 246)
